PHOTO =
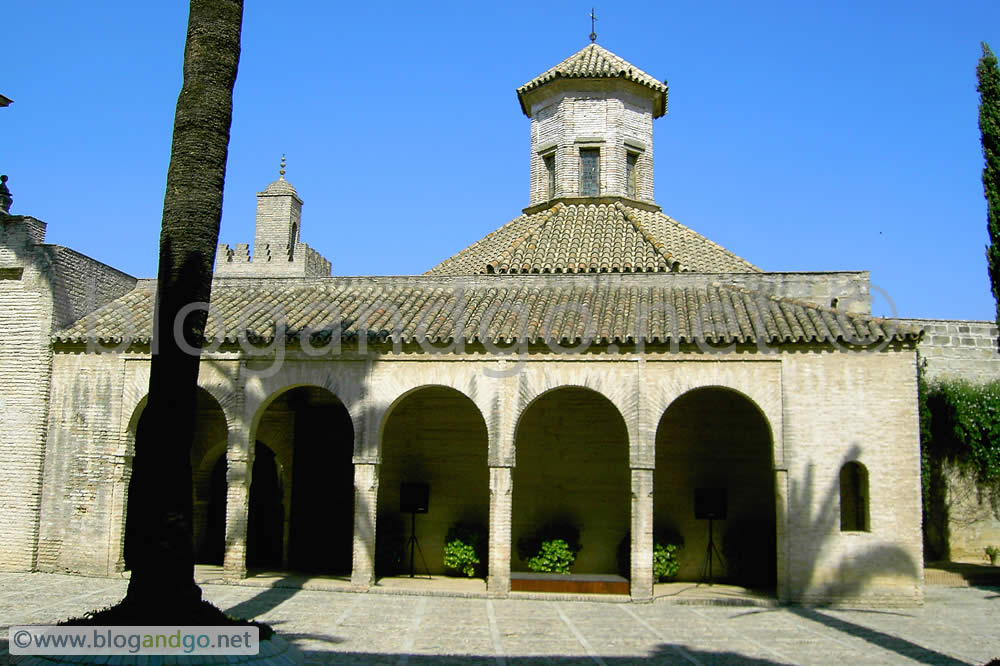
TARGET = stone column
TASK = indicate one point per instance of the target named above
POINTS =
(781, 531)
(501, 485)
(642, 535)
(239, 465)
(365, 506)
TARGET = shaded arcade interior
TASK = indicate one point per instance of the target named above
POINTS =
(716, 438)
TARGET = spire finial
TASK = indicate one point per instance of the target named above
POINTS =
(593, 28)
(281, 171)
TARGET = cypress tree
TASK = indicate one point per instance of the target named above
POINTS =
(988, 75)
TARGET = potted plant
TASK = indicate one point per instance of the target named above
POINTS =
(552, 550)
(463, 548)
(993, 553)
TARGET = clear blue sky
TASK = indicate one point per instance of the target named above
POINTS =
(800, 135)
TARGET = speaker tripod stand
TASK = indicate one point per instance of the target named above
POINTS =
(711, 552)
(415, 545)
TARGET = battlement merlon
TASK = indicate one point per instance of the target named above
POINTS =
(270, 260)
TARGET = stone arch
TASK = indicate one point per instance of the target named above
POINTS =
(310, 433)
(572, 468)
(212, 426)
(388, 389)
(618, 388)
(434, 435)
(718, 437)
(759, 382)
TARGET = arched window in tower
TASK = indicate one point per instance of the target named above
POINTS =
(631, 167)
(294, 238)
(590, 172)
(550, 175)
(854, 498)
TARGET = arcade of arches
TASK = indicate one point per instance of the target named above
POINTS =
(572, 466)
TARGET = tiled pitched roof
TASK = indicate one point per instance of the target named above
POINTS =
(596, 62)
(657, 309)
(588, 236)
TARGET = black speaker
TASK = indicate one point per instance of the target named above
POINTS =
(414, 497)
(710, 503)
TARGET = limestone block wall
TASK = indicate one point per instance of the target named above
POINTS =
(957, 349)
(967, 350)
(840, 407)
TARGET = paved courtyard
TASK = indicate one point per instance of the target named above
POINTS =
(958, 625)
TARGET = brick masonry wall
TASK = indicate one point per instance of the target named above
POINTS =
(55, 286)
(86, 453)
(818, 405)
(840, 407)
(602, 116)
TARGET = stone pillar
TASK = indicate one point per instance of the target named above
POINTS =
(501, 486)
(365, 507)
(781, 531)
(642, 535)
(239, 465)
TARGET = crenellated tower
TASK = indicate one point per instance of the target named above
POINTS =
(277, 250)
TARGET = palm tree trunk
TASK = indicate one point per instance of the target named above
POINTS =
(159, 534)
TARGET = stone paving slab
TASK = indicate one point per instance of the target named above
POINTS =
(958, 625)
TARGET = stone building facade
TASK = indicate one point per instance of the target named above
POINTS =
(592, 361)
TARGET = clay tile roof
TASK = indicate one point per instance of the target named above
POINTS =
(596, 62)
(593, 236)
(603, 309)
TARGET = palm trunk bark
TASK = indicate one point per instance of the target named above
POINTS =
(159, 547)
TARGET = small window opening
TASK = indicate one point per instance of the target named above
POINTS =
(631, 181)
(11, 273)
(590, 172)
(550, 175)
(854, 498)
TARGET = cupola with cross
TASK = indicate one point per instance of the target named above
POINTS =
(592, 127)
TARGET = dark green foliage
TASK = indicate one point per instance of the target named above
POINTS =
(550, 547)
(666, 549)
(961, 424)
(554, 556)
(465, 548)
(988, 75)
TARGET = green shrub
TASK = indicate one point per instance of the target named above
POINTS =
(555, 556)
(993, 553)
(463, 548)
(553, 549)
(960, 422)
(665, 562)
(666, 551)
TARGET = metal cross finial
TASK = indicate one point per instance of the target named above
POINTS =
(593, 29)
(281, 171)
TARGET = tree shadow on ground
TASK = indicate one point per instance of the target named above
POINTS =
(266, 600)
